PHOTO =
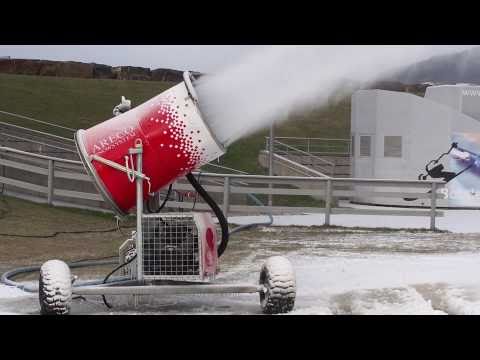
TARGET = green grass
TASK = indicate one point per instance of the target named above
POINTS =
(34, 233)
(72, 102)
(82, 103)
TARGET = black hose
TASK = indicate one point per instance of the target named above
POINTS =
(113, 272)
(195, 199)
(252, 225)
(215, 208)
(6, 277)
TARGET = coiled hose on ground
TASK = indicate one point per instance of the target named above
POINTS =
(6, 277)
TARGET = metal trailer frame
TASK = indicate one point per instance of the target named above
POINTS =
(142, 286)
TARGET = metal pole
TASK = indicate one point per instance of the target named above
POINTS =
(270, 160)
(328, 202)
(433, 206)
(2, 168)
(139, 235)
(50, 182)
(226, 195)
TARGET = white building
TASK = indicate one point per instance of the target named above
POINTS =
(395, 134)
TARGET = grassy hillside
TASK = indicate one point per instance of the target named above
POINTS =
(72, 102)
(81, 103)
(332, 121)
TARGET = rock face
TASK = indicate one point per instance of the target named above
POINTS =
(46, 68)
(86, 71)
(131, 73)
(166, 75)
(102, 72)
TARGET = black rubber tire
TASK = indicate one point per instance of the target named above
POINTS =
(55, 288)
(278, 278)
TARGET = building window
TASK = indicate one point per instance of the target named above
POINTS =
(365, 145)
(392, 146)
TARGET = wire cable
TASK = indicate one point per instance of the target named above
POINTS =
(113, 272)
(167, 197)
(63, 232)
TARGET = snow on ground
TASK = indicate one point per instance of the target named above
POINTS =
(8, 293)
(351, 284)
(457, 221)
(389, 284)
(338, 271)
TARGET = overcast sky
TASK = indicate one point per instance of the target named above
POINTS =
(204, 58)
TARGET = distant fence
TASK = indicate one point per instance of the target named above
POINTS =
(302, 157)
(58, 175)
(286, 167)
(317, 146)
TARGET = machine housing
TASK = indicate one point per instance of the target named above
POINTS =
(176, 246)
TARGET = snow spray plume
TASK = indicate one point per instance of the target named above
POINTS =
(276, 80)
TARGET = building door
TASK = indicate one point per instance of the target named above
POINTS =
(364, 156)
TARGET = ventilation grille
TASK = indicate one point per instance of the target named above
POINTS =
(170, 246)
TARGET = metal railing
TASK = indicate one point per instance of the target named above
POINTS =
(302, 157)
(226, 185)
(225, 168)
(294, 167)
(41, 143)
(317, 146)
(49, 171)
(46, 135)
(23, 117)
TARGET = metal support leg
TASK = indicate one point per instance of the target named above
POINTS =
(138, 150)
(271, 149)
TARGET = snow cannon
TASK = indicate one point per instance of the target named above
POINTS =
(132, 156)
(175, 140)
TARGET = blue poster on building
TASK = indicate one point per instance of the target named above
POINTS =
(464, 190)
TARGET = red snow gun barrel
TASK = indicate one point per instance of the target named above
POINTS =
(175, 140)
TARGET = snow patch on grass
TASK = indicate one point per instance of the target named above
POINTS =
(456, 221)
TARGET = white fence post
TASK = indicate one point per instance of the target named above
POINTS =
(226, 195)
(51, 173)
(433, 206)
(328, 202)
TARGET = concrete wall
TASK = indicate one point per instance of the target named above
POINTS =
(446, 95)
(461, 97)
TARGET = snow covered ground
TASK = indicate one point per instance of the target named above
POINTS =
(339, 271)
(457, 221)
